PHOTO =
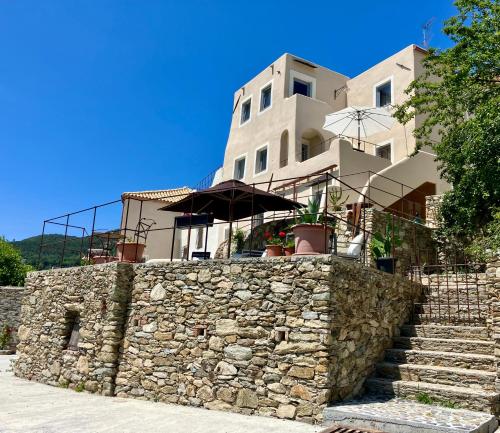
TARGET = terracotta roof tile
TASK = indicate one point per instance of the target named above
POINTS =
(163, 195)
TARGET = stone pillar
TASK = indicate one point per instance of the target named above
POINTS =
(493, 322)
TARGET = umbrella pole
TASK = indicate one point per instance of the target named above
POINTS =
(359, 134)
(229, 239)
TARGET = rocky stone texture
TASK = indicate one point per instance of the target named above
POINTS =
(432, 205)
(10, 310)
(275, 336)
(493, 322)
(279, 337)
(442, 358)
(99, 295)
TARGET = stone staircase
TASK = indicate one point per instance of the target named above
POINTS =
(443, 357)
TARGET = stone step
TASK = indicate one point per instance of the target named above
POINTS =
(476, 379)
(406, 416)
(445, 331)
(464, 397)
(443, 309)
(480, 347)
(442, 358)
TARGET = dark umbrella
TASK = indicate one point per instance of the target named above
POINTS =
(230, 201)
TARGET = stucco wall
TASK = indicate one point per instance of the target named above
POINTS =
(10, 309)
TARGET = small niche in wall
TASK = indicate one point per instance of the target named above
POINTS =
(281, 334)
(72, 330)
(200, 331)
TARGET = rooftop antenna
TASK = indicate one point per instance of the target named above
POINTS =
(427, 32)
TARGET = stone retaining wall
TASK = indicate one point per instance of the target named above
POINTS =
(493, 290)
(275, 336)
(10, 309)
(432, 205)
(99, 295)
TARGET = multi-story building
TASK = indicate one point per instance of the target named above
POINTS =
(276, 135)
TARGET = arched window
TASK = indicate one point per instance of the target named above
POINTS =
(284, 149)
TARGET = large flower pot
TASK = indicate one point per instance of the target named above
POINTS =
(97, 260)
(130, 252)
(386, 264)
(274, 250)
(310, 238)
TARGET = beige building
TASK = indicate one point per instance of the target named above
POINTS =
(276, 136)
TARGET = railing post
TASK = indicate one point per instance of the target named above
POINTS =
(64, 242)
(41, 246)
(92, 233)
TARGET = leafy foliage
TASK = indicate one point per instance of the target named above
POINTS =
(381, 245)
(52, 250)
(5, 337)
(458, 100)
(13, 270)
(488, 243)
(238, 240)
(309, 214)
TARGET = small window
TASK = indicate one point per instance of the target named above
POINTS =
(200, 331)
(239, 168)
(302, 87)
(245, 111)
(73, 330)
(383, 94)
(304, 152)
(384, 151)
(261, 160)
(265, 97)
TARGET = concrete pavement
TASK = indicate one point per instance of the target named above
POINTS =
(29, 407)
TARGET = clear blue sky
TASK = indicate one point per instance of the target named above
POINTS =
(101, 97)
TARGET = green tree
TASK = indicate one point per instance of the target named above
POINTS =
(458, 98)
(13, 270)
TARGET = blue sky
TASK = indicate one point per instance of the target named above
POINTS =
(101, 97)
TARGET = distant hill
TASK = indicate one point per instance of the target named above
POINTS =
(51, 253)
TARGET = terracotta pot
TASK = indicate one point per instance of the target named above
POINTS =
(97, 260)
(274, 250)
(310, 238)
(130, 252)
(289, 251)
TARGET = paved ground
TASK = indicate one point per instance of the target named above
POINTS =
(28, 407)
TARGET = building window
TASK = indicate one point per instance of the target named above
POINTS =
(239, 168)
(383, 94)
(301, 87)
(265, 97)
(261, 160)
(304, 152)
(302, 83)
(384, 151)
(246, 111)
(284, 149)
(73, 330)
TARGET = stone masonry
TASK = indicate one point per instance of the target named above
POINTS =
(99, 295)
(10, 309)
(493, 290)
(432, 204)
(275, 336)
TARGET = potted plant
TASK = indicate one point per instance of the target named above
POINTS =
(238, 240)
(274, 243)
(130, 250)
(381, 247)
(289, 247)
(310, 232)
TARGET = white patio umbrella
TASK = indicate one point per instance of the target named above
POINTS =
(358, 121)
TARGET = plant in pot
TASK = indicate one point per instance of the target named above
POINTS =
(382, 245)
(238, 241)
(130, 250)
(274, 243)
(311, 233)
(289, 247)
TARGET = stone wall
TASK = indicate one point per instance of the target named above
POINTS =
(279, 337)
(10, 309)
(99, 295)
(493, 290)
(274, 336)
(432, 204)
